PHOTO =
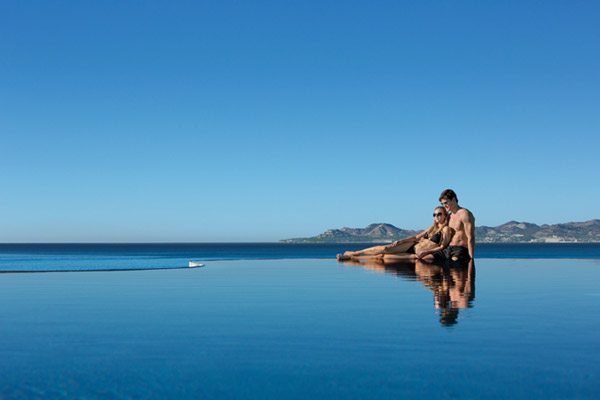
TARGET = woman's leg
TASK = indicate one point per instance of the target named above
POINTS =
(399, 257)
(371, 250)
(401, 247)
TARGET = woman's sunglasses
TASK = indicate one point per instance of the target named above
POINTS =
(437, 215)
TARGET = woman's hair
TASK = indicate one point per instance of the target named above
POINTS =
(436, 227)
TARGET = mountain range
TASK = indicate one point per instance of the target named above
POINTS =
(510, 232)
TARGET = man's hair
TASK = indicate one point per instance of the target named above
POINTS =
(448, 194)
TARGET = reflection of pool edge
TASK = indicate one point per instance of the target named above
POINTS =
(96, 270)
(200, 262)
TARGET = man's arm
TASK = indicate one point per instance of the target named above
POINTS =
(469, 225)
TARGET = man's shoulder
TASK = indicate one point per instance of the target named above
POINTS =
(464, 213)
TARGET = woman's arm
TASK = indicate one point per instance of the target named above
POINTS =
(443, 243)
(412, 239)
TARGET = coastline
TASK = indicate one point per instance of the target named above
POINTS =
(510, 232)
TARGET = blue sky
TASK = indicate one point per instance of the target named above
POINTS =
(129, 121)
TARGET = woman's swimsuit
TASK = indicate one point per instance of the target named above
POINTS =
(437, 238)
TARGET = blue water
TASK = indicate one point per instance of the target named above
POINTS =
(50, 257)
(302, 329)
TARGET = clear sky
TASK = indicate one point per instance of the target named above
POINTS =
(133, 121)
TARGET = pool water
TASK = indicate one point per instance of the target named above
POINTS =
(304, 328)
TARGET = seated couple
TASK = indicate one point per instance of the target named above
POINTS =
(422, 246)
(451, 237)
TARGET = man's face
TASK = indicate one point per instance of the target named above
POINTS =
(449, 204)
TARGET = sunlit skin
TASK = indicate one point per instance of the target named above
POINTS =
(397, 251)
(462, 222)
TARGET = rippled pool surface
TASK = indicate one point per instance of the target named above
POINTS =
(305, 328)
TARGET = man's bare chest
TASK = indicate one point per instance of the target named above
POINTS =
(456, 224)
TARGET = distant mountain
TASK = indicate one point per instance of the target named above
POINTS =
(510, 232)
(519, 232)
(372, 233)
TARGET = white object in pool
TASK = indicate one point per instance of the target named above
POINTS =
(195, 264)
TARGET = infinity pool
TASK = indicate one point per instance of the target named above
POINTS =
(300, 328)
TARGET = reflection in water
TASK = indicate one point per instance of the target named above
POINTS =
(452, 283)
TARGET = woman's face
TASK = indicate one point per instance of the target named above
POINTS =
(439, 215)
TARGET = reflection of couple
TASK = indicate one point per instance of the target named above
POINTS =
(453, 287)
(451, 237)
(453, 284)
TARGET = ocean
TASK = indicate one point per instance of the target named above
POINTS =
(72, 257)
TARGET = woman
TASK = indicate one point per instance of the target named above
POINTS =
(419, 246)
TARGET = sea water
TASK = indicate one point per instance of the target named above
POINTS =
(72, 257)
(299, 327)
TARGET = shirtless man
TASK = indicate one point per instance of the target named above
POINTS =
(462, 222)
